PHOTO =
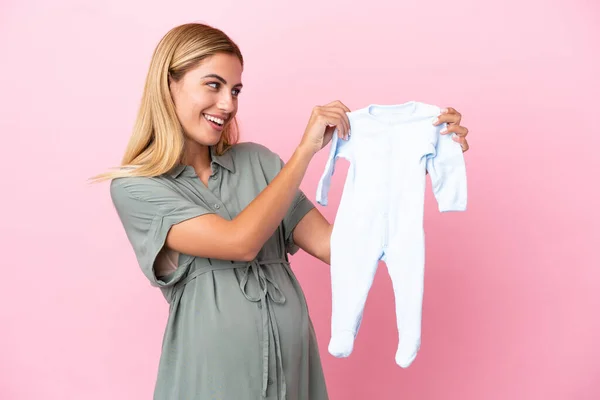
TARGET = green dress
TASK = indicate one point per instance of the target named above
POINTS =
(236, 330)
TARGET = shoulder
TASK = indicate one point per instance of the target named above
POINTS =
(139, 188)
(254, 153)
(256, 159)
(246, 149)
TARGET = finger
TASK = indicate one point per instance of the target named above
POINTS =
(457, 129)
(338, 103)
(448, 115)
(333, 118)
(339, 108)
(345, 120)
(462, 141)
(448, 118)
(346, 109)
(340, 112)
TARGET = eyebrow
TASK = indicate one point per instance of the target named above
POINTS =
(220, 78)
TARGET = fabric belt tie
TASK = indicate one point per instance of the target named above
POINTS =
(268, 317)
(267, 289)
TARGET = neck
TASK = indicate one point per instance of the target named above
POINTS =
(197, 155)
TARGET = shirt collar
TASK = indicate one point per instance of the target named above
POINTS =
(224, 160)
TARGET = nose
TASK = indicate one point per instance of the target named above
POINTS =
(226, 102)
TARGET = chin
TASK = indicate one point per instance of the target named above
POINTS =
(207, 140)
(205, 137)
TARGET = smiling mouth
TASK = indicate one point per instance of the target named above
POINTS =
(216, 121)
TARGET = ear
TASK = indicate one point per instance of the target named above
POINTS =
(171, 83)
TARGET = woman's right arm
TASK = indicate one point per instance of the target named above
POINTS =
(212, 236)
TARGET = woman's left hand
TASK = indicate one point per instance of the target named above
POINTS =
(452, 118)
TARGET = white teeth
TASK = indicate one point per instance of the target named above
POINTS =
(214, 119)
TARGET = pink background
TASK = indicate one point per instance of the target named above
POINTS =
(511, 308)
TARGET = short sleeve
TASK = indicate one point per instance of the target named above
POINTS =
(300, 207)
(272, 164)
(148, 209)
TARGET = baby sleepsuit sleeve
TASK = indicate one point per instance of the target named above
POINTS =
(380, 217)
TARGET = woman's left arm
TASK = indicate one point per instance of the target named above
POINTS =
(313, 234)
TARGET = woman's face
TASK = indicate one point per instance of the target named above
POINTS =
(206, 98)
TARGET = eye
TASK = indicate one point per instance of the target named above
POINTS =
(236, 92)
(216, 85)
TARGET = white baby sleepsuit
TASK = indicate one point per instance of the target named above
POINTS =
(380, 216)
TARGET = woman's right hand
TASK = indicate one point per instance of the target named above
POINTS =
(323, 121)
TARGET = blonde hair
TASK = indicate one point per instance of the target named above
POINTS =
(157, 142)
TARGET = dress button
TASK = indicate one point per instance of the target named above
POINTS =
(213, 177)
(217, 206)
(270, 381)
